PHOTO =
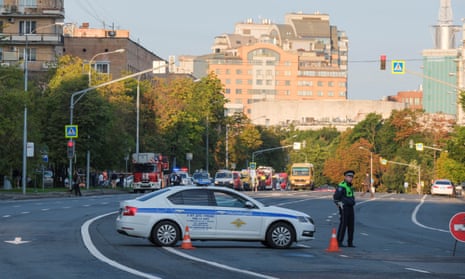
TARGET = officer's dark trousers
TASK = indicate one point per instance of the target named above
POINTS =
(346, 222)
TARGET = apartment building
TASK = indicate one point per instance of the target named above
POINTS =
(110, 51)
(304, 58)
(31, 29)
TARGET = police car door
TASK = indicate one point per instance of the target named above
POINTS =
(233, 218)
(195, 209)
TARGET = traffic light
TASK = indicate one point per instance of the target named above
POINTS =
(382, 62)
(70, 149)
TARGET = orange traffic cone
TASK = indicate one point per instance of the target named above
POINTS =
(333, 245)
(186, 242)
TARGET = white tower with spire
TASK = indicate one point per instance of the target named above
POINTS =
(445, 30)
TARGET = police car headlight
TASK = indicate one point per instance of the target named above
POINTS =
(305, 219)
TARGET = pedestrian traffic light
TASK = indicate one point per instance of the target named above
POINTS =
(382, 62)
(70, 149)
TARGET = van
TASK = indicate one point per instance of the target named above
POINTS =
(230, 179)
(301, 176)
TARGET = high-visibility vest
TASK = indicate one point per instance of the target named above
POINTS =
(349, 191)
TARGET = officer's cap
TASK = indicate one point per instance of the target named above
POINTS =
(349, 173)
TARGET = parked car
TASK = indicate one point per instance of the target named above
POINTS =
(201, 179)
(48, 178)
(127, 181)
(185, 178)
(210, 213)
(230, 179)
(442, 187)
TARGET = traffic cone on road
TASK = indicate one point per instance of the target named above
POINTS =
(333, 245)
(186, 242)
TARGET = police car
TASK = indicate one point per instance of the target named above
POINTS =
(210, 213)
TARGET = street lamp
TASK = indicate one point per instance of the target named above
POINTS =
(79, 94)
(98, 54)
(371, 164)
(26, 72)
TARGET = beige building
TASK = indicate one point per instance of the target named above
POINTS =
(32, 26)
(303, 59)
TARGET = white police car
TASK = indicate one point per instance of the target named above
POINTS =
(211, 213)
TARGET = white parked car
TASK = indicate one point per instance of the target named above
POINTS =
(442, 187)
(211, 213)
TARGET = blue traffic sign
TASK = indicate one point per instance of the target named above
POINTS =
(398, 67)
(71, 131)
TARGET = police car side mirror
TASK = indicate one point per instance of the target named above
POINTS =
(249, 204)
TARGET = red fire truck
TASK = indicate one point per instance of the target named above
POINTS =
(148, 170)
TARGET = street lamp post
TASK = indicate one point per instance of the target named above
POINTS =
(95, 56)
(371, 165)
(26, 76)
(81, 93)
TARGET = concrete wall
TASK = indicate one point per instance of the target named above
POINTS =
(312, 114)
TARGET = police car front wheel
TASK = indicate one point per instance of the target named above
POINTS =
(280, 235)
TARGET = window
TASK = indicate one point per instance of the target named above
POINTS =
(102, 67)
(228, 71)
(238, 91)
(228, 200)
(238, 81)
(28, 3)
(1, 23)
(191, 197)
(31, 54)
(27, 27)
(238, 72)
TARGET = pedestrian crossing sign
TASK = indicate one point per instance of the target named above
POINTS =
(398, 67)
(71, 131)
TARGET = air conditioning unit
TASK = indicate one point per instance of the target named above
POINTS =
(5, 64)
(11, 20)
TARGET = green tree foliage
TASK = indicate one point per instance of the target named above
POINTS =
(12, 101)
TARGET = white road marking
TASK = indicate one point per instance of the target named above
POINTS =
(226, 267)
(417, 270)
(96, 253)
(415, 221)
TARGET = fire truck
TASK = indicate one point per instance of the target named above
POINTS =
(148, 170)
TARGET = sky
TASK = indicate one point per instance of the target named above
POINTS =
(399, 29)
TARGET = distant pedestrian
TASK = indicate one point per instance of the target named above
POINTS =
(367, 186)
(114, 176)
(76, 184)
(345, 200)
(100, 179)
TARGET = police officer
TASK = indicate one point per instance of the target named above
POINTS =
(345, 200)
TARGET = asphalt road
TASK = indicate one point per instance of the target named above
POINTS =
(401, 236)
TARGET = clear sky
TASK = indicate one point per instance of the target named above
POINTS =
(399, 29)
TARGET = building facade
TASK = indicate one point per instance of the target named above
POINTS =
(31, 29)
(97, 47)
(412, 99)
(443, 68)
(303, 59)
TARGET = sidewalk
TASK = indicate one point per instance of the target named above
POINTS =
(5, 195)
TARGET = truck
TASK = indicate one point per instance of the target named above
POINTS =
(149, 171)
(302, 176)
